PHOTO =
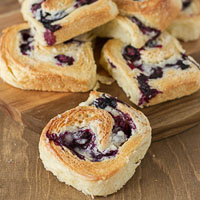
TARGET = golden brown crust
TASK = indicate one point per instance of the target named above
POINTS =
(155, 13)
(54, 5)
(78, 21)
(39, 71)
(124, 29)
(94, 171)
(187, 25)
(174, 83)
(94, 177)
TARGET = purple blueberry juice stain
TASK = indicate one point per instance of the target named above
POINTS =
(36, 6)
(75, 141)
(63, 59)
(123, 121)
(105, 101)
(186, 4)
(157, 73)
(83, 141)
(111, 64)
(147, 92)
(146, 30)
(47, 19)
(132, 56)
(79, 141)
(80, 3)
(26, 42)
(49, 36)
(180, 63)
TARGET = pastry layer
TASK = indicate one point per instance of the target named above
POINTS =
(155, 73)
(153, 13)
(96, 146)
(57, 21)
(187, 25)
(68, 67)
(130, 30)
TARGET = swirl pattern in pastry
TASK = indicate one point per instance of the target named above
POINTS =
(68, 67)
(155, 73)
(96, 146)
(57, 21)
(140, 21)
(130, 30)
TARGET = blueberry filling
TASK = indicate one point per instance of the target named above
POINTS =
(49, 36)
(131, 53)
(147, 92)
(146, 30)
(111, 64)
(105, 101)
(123, 121)
(80, 3)
(157, 73)
(186, 3)
(36, 6)
(133, 60)
(46, 19)
(180, 63)
(82, 142)
(62, 59)
(132, 56)
(26, 42)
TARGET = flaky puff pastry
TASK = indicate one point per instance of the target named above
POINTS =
(96, 146)
(56, 21)
(158, 72)
(140, 21)
(68, 67)
(187, 25)
(154, 13)
(129, 30)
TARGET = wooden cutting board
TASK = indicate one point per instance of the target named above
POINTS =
(34, 109)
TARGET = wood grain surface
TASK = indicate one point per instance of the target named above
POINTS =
(170, 170)
(38, 108)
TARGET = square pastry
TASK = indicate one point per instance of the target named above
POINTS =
(140, 21)
(187, 25)
(56, 21)
(155, 73)
(96, 146)
(67, 67)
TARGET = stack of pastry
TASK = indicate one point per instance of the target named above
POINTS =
(96, 146)
(147, 62)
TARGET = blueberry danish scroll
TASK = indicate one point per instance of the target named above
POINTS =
(157, 72)
(67, 67)
(56, 21)
(140, 21)
(96, 146)
(187, 25)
